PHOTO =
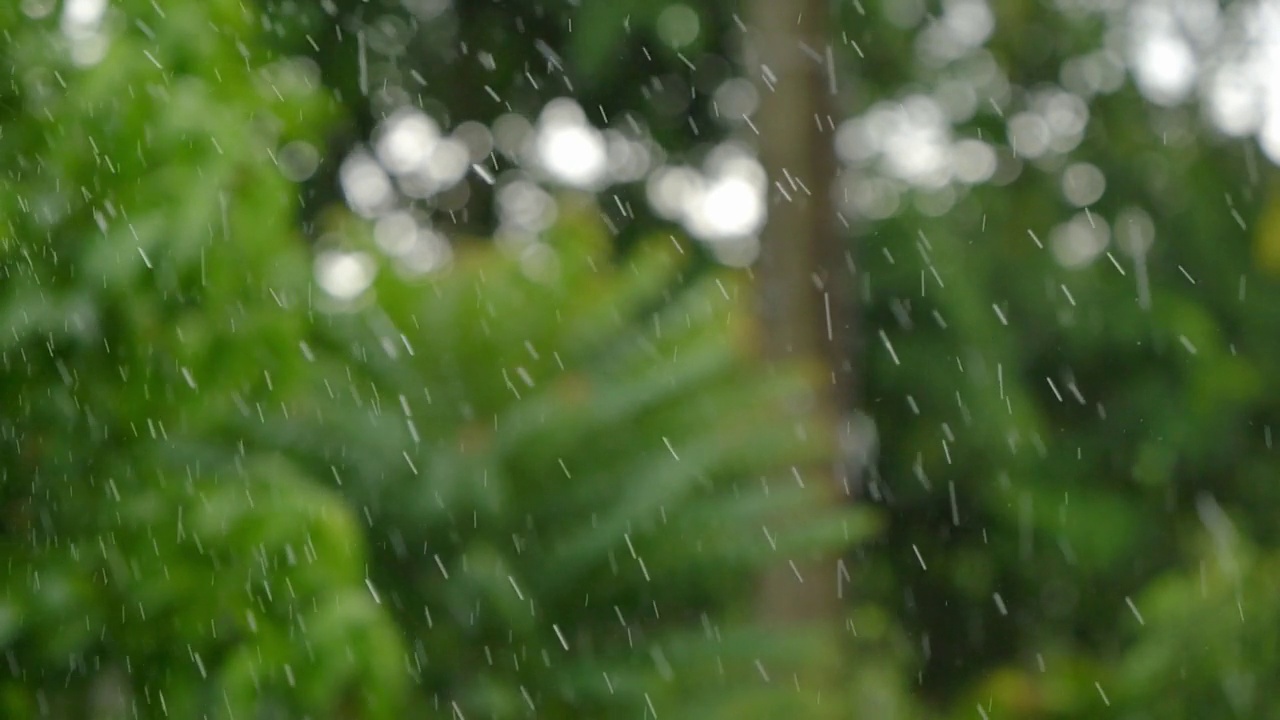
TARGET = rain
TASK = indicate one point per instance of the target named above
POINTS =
(373, 359)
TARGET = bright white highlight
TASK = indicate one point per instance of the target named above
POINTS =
(344, 275)
(569, 149)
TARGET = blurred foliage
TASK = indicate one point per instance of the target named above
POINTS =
(481, 59)
(1058, 429)
(153, 285)
(602, 465)
(536, 479)
(526, 484)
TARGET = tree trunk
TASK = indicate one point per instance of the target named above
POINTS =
(804, 275)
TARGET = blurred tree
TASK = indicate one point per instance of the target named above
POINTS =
(600, 464)
(153, 288)
(1032, 229)
(1067, 277)
(1073, 334)
(805, 273)
(550, 472)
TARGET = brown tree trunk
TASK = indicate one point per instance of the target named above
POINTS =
(804, 274)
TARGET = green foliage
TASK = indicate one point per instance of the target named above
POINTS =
(548, 477)
(152, 286)
(542, 481)
(571, 472)
(1067, 419)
